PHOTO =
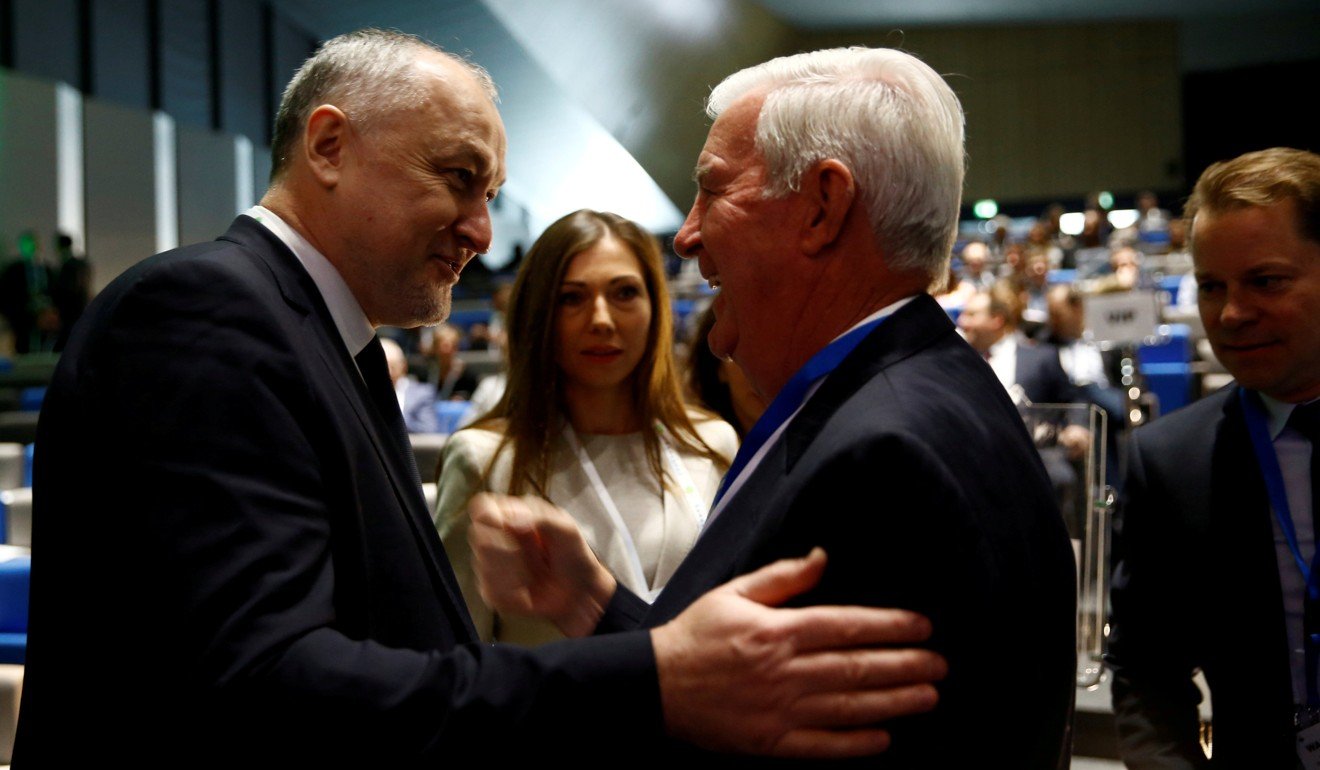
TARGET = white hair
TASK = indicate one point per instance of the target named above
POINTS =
(368, 74)
(883, 113)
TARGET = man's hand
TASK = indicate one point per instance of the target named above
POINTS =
(1075, 440)
(738, 676)
(531, 559)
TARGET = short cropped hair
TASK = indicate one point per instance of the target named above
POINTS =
(1262, 178)
(368, 74)
(885, 114)
(1006, 302)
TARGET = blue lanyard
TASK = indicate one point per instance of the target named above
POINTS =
(791, 396)
(1268, 459)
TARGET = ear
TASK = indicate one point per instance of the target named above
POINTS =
(325, 142)
(829, 190)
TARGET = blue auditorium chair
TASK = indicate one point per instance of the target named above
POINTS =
(15, 579)
(1166, 363)
(450, 413)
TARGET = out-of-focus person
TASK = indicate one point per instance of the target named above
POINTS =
(1124, 273)
(27, 288)
(1214, 551)
(1031, 372)
(72, 289)
(592, 418)
(416, 398)
(956, 290)
(446, 371)
(975, 261)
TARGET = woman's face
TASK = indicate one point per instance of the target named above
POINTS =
(602, 318)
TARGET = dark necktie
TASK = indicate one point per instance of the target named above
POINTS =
(376, 373)
(1305, 419)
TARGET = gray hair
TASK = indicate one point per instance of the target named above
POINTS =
(886, 115)
(368, 74)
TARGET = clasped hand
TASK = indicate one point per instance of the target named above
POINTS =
(737, 672)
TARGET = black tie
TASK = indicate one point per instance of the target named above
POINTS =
(1305, 419)
(376, 373)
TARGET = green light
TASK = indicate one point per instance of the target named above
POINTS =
(986, 208)
(1106, 200)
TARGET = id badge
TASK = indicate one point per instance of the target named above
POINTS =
(1308, 746)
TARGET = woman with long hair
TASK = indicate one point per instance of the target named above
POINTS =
(593, 418)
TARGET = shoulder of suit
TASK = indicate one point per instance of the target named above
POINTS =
(718, 434)
(215, 268)
(475, 445)
(1200, 416)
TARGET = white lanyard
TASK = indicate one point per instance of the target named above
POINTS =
(682, 479)
(698, 507)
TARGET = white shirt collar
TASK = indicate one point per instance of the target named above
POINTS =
(1278, 412)
(1005, 344)
(737, 483)
(354, 328)
(887, 310)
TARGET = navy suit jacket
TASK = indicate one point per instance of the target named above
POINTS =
(232, 567)
(912, 468)
(1196, 585)
(1041, 376)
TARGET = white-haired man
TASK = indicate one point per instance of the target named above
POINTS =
(828, 194)
(234, 562)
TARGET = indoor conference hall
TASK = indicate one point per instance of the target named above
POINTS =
(800, 380)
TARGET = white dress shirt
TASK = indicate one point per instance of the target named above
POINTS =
(354, 328)
(1294, 453)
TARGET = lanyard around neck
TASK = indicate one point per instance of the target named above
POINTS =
(791, 397)
(1268, 460)
(681, 478)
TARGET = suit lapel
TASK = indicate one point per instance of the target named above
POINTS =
(720, 550)
(913, 327)
(300, 292)
(1243, 538)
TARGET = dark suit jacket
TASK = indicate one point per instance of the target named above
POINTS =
(1041, 376)
(1196, 585)
(912, 469)
(232, 568)
(419, 407)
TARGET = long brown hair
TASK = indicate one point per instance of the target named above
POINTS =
(533, 399)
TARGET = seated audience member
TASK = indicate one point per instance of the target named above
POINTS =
(1080, 358)
(719, 384)
(1041, 240)
(975, 259)
(447, 372)
(956, 291)
(1015, 261)
(478, 337)
(1216, 525)
(485, 398)
(499, 303)
(1033, 282)
(592, 418)
(416, 399)
(1152, 225)
(1030, 372)
(1083, 363)
(1124, 273)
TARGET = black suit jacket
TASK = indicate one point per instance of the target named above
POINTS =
(1041, 376)
(912, 469)
(232, 568)
(1196, 585)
